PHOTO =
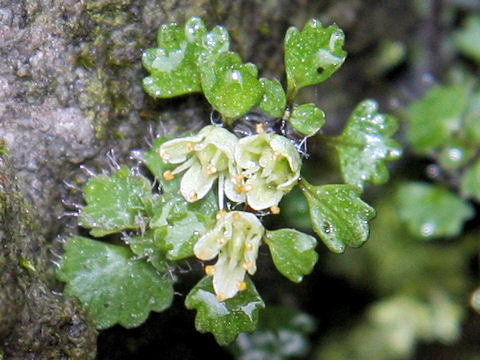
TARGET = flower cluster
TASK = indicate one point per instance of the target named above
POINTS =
(256, 170)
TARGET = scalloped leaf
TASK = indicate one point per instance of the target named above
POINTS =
(173, 65)
(467, 39)
(145, 248)
(112, 284)
(116, 202)
(274, 100)
(230, 86)
(293, 252)
(431, 211)
(366, 144)
(312, 55)
(433, 119)
(338, 214)
(307, 119)
(225, 320)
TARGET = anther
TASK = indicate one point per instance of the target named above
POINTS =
(275, 209)
(221, 214)
(248, 247)
(193, 195)
(211, 170)
(221, 297)
(168, 175)
(241, 189)
(209, 270)
(164, 155)
(276, 155)
(247, 265)
(260, 128)
(189, 146)
(236, 216)
(242, 285)
(237, 179)
(221, 240)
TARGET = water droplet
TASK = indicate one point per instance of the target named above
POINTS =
(158, 92)
(475, 300)
(455, 154)
(428, 229)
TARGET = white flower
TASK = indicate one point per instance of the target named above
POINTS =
(204, 156)
(269, 167)
(235, 238)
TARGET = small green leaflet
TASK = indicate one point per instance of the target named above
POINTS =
(230, 86)
(431, 211)
(366, 144)
(282, 334)
(338, 214)
(433, 119)
(174, 64)
(274, 100)
(115, 203)
(307, 119)
(225, 320)
(112, 284)
(312, 55)
(293, 252)
(467, 39)
(144, 247)
(470, 183)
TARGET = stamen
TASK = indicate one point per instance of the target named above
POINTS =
(164, 155)
(247, 265)
(168, 175)
(221, 240)
(211, 170)
(190, 146)
(221, 214)
(236, 216)
(221, 297)
(237, 179)
(193, 195)
(275, 209)
(276, 155)
(241, 189)
(260, 128)
(209, 270)
(248, 247)
(242, 285)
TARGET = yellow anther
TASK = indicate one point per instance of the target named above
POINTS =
(164, 155)
(260, 128)
(275, 209)
(236, 216)
(209, 270)
(221, 297)
(211, 170)
(276, 155)
(221, 214)
(247, 265)
(237, 179)
(241, 189)
(189, 146)
(193, 195)
(168, 175)
(242, 285)
(248, 247)
(221, 240)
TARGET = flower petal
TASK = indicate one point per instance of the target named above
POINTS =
(196, 183)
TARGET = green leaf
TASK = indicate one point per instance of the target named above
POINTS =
(431, 211)
(111, 284)
(282, 334)
(229, 85)
(274, 99)
(312, 55)
(470, 183)
(455, 153)
(433, 119)
(366, 144)
(225, 320)
(338, 214)
(467, 39)
(472, 124)
(115, 203)
(293, 252)
(174, 64)
(307, 119)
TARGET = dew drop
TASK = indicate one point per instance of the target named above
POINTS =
(427, 229)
